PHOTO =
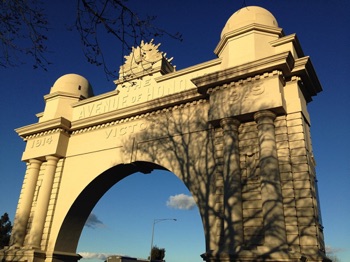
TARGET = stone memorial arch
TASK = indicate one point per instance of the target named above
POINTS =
(235, 130)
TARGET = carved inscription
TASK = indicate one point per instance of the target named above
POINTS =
(41, 142)
(99, 107)
(132, 93)
(125, 129)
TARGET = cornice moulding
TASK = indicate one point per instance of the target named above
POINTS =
(244, 30)
(139, 116)
(96, 98)
(143, 108)
(189, 70)
(304, 69)
(65, 94)
(283, 62)
(287, 39)
(246, 80)
(43, 126)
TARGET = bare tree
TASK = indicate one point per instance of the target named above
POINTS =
(24, 26)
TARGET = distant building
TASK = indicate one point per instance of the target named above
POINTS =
(118, 258)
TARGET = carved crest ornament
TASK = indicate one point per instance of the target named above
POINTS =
(145, 59)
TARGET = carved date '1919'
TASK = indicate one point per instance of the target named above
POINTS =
(41, 142)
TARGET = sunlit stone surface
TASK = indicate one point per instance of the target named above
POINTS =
(234, 129)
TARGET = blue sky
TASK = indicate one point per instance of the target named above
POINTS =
(124, 216)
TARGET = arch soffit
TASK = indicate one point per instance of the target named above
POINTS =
(74, 221)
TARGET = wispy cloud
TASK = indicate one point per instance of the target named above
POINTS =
(333, 250)
(91, 255)
(332, 253)
(181, 201)
(93, 221)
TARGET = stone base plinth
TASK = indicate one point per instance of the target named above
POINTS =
(19, 254)
(260, 255)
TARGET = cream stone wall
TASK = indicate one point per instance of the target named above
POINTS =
(235, 130)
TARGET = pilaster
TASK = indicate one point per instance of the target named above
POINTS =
(271, 193)
(218, 228)
(233, 224)
(25, 202)
(41, 208)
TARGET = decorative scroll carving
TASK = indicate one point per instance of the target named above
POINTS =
(241, 94)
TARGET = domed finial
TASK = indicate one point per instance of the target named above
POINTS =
(73, 84)
(249, 15)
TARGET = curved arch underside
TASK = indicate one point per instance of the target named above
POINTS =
(74, 222)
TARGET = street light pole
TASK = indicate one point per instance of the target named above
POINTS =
(154, 222)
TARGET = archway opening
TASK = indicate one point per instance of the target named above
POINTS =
(121, 222)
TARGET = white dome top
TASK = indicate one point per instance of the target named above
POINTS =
(73, 84)
(249, 15)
